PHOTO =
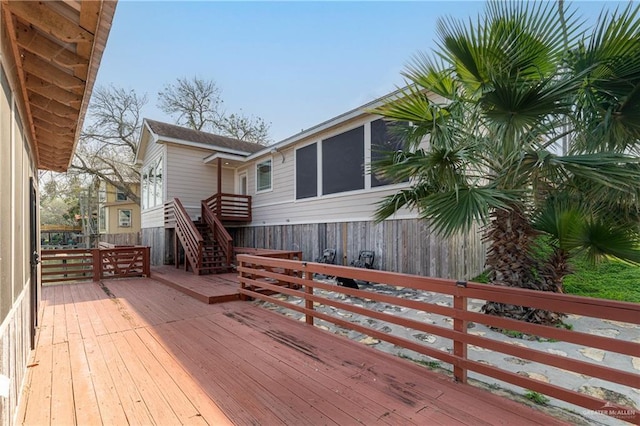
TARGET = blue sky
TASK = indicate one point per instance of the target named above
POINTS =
(295, 64)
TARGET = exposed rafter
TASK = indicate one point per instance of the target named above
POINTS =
(56, 47)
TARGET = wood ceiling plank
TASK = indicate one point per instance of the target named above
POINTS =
(34, 64)
(52, 91)
(49, 117)
(55, 107)
(52, 128)
(33, 41)
(46, 135)
(89, 15)
(49, 21)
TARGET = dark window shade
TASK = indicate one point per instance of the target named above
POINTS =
(307, 171)
(384, 139)
(343, 162)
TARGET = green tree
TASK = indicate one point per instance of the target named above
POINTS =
(496, 101)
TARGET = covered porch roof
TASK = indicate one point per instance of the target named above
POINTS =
(56, 48)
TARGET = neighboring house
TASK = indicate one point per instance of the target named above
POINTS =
(118, 216)
(309, 192)
(49, 58)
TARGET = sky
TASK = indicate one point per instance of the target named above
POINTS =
(295, 64)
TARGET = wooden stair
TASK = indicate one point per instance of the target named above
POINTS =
(213, 257)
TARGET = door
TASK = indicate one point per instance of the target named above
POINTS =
(242, 183)
(35, 259)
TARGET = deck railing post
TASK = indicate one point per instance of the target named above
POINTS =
(242, 265)
(460, 325)
(147, 261)
(97, 264)
(308, 289)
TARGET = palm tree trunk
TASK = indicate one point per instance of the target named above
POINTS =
(511, 264)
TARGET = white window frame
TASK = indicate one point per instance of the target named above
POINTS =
(128, 222)
(270, 188)
(120, 193)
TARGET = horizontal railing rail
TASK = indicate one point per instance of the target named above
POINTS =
(230, 207)
(262, 276)
(94, 264)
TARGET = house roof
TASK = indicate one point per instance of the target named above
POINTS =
(56, 47)
(178, 133)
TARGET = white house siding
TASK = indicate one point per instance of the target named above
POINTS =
(344, 221)
(15, 244)
(190, 180)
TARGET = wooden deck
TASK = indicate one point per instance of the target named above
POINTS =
(214, 288)
(148, 354)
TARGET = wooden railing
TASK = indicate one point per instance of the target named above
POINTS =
(189, 237)
(230, 207)
(258, 273)
(94, 264)
(220, 234)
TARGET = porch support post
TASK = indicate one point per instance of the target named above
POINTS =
(219, 175)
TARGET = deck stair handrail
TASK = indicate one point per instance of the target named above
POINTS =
(189, 236)
(259, 278)
(230, 207)
(220, 234)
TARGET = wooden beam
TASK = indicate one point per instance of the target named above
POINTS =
(45, 134)
(51, 91)
(33, 64)
(52, 128)
(47, 20)
(89, 15)
(53, 106)
(31, 40)
(49, 117)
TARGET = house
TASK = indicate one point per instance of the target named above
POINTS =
(49, 58)
(118, 215)
(312, 191)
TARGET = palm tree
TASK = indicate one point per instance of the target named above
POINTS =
(494, 102)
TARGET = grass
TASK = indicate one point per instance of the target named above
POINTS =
(536, 397)
(610, 279)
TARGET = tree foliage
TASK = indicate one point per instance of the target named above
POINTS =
(109, 142)
(495, 100)
(197, 103)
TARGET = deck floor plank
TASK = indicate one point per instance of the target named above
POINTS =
(62, 403)
(189, 387)
(148, 354)
(84, 394)
(271, 357)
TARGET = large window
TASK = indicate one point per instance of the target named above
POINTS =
(307, 171)
(263, 176)
(343, 162)
(384, 139)
(152, 185)
(124, 218)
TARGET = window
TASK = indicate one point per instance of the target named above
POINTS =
(307, 171)
(343, 162)
(384, 139)
(263, 176)
(152, 185)
(124, 218)
(102, 218)
(102, 192)
(120, 195)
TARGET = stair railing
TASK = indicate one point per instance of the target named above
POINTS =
(189, 237)
(230, 207)
(220, 234)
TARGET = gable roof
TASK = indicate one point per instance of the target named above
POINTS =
(178, 133)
